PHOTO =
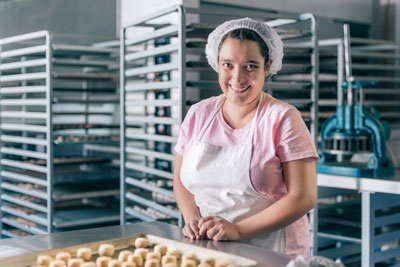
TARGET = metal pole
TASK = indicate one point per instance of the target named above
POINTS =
(340, 99)
(314, 75)
(1, 154)
(122, 128)
(49, 133)
(367, 229)
(314, 116)
(347, 61)
(182, 71)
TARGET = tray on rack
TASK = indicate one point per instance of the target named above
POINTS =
(127, 243)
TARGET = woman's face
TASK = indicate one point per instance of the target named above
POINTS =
(241, 71)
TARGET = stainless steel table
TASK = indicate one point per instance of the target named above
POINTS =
(377, 194)
(38, 243)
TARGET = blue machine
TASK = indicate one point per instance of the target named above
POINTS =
(354, 130)
(353, 133)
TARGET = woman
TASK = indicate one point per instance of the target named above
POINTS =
(245, 162)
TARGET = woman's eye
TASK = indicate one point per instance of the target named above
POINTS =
(251, 66)
(226, 65)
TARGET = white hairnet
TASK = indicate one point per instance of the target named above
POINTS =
(267, 34)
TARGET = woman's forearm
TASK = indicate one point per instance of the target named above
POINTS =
(185, 201)
(285, 211)
(300, 180)
(183, 197)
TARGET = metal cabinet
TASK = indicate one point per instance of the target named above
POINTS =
(56, 99)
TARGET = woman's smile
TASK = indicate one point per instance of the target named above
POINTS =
(239, 89)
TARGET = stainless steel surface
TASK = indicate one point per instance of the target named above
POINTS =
(389, 185)
(58, 240)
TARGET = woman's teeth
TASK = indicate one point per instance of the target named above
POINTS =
(240, 89)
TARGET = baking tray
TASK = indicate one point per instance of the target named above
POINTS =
(128, 243)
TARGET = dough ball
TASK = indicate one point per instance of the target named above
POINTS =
(152, 263)
(57, 263)
(88, 264)
(123, 255)
(64, 256)
(141, 242)
(128, 264)
(160, 249)
(188, 263)
(208, 261)
(44, 260)
(84, 253)
(75, 262)
(173, 253)
(189, 256)
(103, 261)
(137, 259)
(170, 264)
(142, 251)
(106, 250)
(169, 259)
(114, 263)
(222, 264)
(153, 255)
(204, 265)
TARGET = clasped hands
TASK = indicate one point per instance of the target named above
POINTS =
(211, 227)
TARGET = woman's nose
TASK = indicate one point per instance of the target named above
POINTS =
(238, 76)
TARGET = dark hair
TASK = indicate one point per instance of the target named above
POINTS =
(243, 34)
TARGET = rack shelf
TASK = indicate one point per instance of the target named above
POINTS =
(57, 100)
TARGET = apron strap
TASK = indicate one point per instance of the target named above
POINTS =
(253, 127)
(218, 106)
(212, 114)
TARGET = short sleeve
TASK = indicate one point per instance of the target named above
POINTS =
(293, 139)
(185, 132)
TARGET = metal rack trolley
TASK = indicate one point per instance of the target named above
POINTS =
(298, 81)
(139, 126)
(179, 70)
(55, 99)
(375, 61)
(359, 219)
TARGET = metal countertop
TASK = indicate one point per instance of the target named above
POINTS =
(15, 247)
(389, 185)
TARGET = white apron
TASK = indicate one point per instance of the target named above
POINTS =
(219, 179)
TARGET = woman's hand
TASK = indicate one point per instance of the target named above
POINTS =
(217, 228)
(191, 229)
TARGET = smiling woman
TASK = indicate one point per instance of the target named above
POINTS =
(245, 163)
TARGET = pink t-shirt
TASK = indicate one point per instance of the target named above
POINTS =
(280, 136)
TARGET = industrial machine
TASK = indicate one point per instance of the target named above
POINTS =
(353, 140)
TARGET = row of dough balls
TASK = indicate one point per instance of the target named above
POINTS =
(141, 257)
(169, 257)
(65, 259)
